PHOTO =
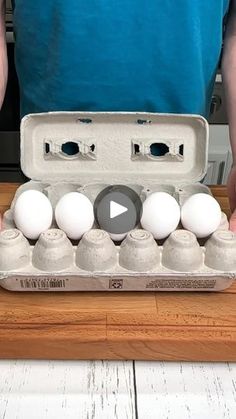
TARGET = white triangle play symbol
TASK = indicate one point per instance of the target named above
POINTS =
(116, 209)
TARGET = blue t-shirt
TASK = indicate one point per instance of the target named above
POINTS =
(118, 55)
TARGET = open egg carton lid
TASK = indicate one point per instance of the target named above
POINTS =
(118, 147)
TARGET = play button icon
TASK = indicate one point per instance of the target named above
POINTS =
(117, 209)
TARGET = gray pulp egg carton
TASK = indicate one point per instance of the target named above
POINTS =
(115, 148)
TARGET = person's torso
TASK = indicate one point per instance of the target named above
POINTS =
(130, 55)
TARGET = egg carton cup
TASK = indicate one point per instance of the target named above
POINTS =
(97, 264)
(145, 151)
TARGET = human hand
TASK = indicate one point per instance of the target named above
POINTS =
(231, 188)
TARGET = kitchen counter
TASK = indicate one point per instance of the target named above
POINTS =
(116, 389)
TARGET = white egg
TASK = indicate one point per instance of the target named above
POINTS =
(74, 214)
(201, 214)
(117, 237)
(32, 213)
(161, 214)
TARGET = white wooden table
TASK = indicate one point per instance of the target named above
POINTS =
(107, 390)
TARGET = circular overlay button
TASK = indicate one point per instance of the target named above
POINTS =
(117, 209)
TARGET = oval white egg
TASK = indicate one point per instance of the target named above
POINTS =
(32, 213)
(74, 214)
(201, 214)
(117, 237)
(161, 214)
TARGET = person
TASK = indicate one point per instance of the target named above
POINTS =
(127, 55)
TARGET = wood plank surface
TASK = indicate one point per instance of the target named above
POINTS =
(127, 325)
(44, 390)
(109, 389)
(189, 390)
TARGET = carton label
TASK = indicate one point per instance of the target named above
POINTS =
(42, 283)
(182, 283)
(119, 283)
(116, 284)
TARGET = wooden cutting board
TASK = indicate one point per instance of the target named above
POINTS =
(122, 325)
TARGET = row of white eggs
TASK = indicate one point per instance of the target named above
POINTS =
(33, 214)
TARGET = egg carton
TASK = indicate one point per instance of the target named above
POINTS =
(96, 263)
(115, 148)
